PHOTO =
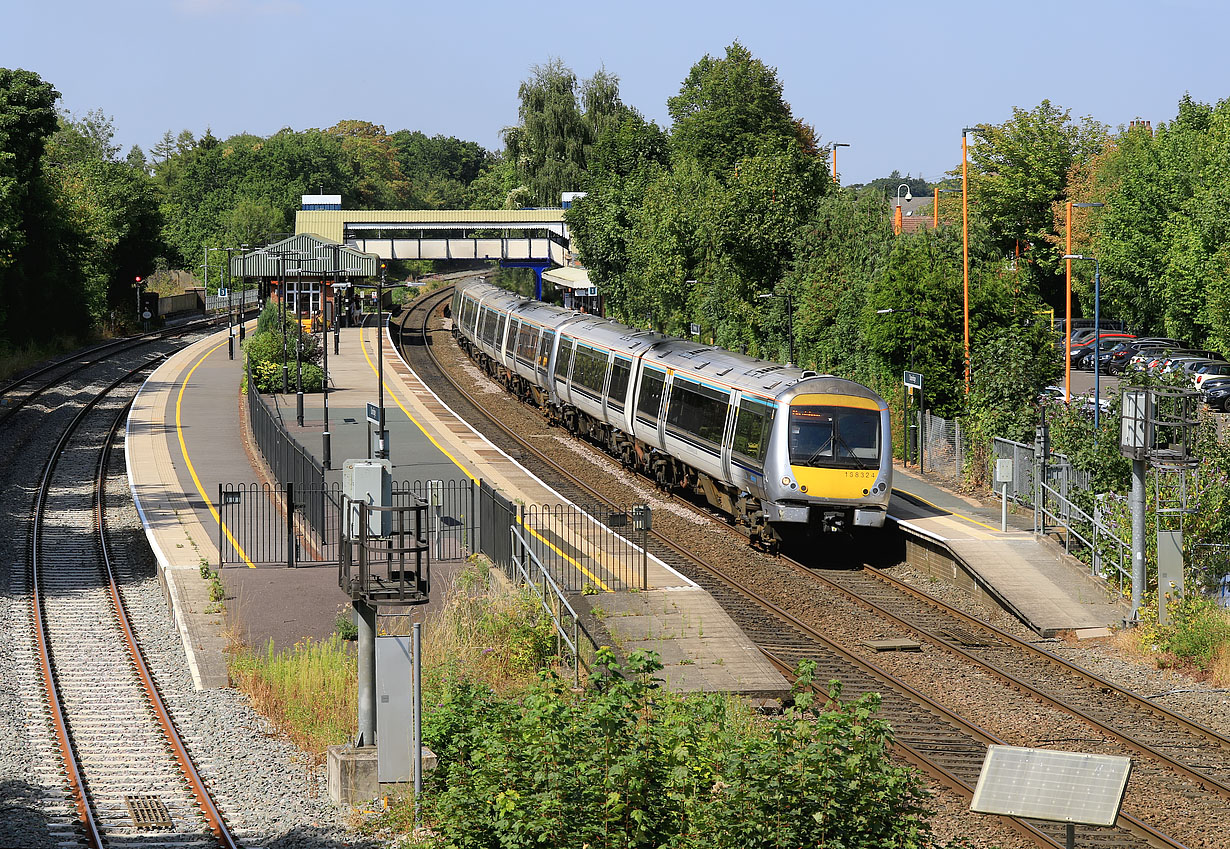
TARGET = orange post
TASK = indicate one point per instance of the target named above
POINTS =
(935, 223)
(897, 221)
(1067, 325)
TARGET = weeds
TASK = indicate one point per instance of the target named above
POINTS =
(307, 692)
(1198, 635)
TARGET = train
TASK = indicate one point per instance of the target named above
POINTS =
(780, 450)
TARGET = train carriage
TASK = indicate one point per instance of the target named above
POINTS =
(774, 447)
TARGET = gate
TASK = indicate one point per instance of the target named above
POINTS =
(256, 527)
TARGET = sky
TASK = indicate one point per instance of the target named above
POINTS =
(895, 80)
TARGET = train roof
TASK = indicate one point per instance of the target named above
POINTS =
(725, 367)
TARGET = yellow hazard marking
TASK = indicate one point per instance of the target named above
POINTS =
(183, 447)
(389, 390)
(946, 510)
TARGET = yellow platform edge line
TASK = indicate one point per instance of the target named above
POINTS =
(183, 447)
(388, 389)
(946, 510)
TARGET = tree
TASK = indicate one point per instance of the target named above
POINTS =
(726, 109)
(1019, 169)
(548, 147)
(378, 181)
(33, 248)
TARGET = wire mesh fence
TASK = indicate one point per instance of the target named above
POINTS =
(943, 448)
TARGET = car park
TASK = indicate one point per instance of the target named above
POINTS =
(1114, 360)
(1082, 355)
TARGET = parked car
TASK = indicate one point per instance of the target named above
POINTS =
(1113, 361)
(1210, 371)
(1083, 402)
(1217, 395)
(1082, 355)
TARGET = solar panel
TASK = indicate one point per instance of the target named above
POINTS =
(1049, 785)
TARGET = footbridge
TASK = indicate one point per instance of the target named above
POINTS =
(531, 237)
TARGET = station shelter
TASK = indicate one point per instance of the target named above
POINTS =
(577, 291)
(301, 270)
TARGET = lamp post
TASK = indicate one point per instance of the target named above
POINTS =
(835, 146)
(230, 299)
(326, 437)
(965, 239)
(1097, 317)
(935, 204)
(789, 321)
(897, 214)
(1067, 325)
(299, 273)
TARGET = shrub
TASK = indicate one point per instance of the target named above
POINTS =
(624, 763)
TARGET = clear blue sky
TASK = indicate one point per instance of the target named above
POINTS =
(896, 80)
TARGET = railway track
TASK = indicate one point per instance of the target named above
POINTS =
(128, 774)
(928, 734)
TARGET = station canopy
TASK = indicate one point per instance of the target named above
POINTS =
(576, 279)
(307, 252)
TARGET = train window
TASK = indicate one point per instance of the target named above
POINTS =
(488, 325)
(621, 370)
(834, 437)
(589, 371)
(649, 398)
(698, 410)
(527, 343)
(498, 341)
(513, 329)
(752, 429)
(544, 348)
(563, 359)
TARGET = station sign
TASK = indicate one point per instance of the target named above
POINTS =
(913, 379)
(373, 413)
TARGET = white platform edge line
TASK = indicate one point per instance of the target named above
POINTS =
(687, 581)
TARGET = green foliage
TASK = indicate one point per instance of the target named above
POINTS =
(1019, 170)
(624, 763)
(344, 624)
(269, 347)
(550, 146)
(1199, 629)
(726, 110)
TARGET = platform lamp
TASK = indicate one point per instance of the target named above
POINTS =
(836, 145)
(1067, 325)
(965, 131)
(1097, 316)
(382, 452)
(299, 273)
(230, 299)
(326, 437)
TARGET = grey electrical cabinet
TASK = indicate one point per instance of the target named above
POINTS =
(393, 715)
(369, 482)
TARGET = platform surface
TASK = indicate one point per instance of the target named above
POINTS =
(185, 436)
(1030, 576)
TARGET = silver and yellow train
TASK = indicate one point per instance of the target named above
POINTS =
(776, 448)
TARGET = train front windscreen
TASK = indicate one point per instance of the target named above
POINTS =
(824, 436)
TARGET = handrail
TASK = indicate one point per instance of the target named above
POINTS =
(521, 550)
(1065, 521)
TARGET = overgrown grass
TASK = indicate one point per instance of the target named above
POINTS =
(14, 360)
(307, 692)
(1197, 638)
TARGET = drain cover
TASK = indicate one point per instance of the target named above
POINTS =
(962, 637)
(148, 812)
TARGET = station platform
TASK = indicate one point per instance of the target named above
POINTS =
(186, 435)
(1029, 576)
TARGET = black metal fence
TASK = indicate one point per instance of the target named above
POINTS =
(578, 545)
(290, 462)
(264, 524)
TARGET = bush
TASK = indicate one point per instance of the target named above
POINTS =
(624, 763)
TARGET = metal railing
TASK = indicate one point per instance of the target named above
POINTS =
(1085, 535)
(526, 569)
(240, 299)
(1061, 474)
(289, 461)
(257, 528)
(590, 545)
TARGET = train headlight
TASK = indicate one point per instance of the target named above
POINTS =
(785, 480)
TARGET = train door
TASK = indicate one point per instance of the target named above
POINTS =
(728, 434)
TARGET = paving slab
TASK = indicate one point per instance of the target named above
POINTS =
(1030, 576)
